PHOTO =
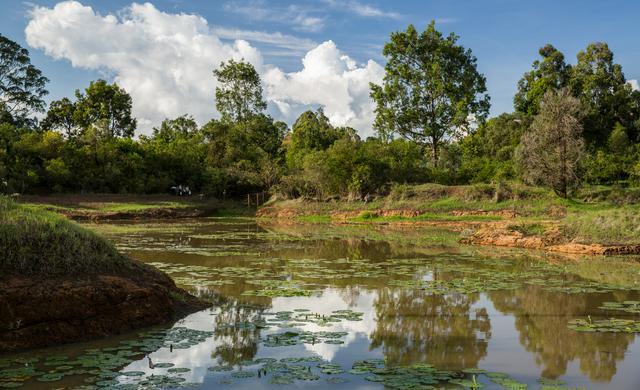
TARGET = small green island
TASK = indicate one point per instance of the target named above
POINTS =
(187, 204)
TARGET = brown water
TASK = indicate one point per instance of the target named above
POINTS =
(422, 298)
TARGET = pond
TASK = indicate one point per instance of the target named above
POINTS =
(358, 307)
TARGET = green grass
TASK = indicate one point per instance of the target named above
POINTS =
(603, 224)
(368, 216)
(34, 242)
(122, 207)
(138, 207)
(314, 218)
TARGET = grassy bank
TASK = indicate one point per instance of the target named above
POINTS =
(595, 215)
(35, 242)
(107, 206)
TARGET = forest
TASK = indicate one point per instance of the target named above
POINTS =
(573, 123)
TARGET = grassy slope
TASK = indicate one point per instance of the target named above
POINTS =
(130, 204)
(602, 215)
(108, 203)
(36, 243)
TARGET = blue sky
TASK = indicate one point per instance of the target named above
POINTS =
(504, 36)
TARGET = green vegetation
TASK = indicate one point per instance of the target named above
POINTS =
(608, 224)
(430, 120)
(597, 215)
(574, 130)
(40, 243)
(431, 88)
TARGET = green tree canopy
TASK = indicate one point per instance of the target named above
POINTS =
(431, 88)
(312, 131)
(105, 105)
(22, 85)
(549, 73)
(603, 92)
(61, 116)
(488, 152)
(172, 129)
(239, 94)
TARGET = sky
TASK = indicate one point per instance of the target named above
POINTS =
(309, 54)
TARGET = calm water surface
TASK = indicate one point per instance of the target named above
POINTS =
(409, 297)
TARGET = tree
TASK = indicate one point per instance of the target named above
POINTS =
(603, 91)
(239, 95)
(106, 104)
(488, 152)
(312, 131)
(22, 85)
(61, 116)
(172, 129)
(551, 151)
(550, 73)
(431, 88)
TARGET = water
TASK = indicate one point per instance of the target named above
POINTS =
(412, 296)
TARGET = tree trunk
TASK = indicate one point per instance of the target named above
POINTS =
(434, 152)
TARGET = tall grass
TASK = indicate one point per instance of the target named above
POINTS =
(35, 242)
(619, 225)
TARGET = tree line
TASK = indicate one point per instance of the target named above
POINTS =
(571, 124)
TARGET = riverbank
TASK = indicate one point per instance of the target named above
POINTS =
(598, 221)
(109, 207)
(61, 283)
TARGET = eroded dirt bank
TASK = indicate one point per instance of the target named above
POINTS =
(39, 312)
(498, 232)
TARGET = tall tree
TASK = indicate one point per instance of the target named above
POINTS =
(431, 88)
(61, 116)
(239, 95)
(107, 105)
(603, 91)
(22, 85)
(549, 73)
(551, 151)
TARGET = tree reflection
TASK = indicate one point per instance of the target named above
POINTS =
(541, 318)
(414, 326)
(236, 344)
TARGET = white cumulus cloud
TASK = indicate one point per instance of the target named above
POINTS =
(165, 61)
(329, 79)
(634, 85)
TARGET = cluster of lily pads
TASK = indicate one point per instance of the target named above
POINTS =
(292, 319)
(615, 325)
(417, 376)
(302, 337)
(632, 307)
(277, 288)
(99, 368)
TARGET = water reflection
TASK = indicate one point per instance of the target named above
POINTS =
(541, 319)
(446, 331)
(235, 345)
(354, 267)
